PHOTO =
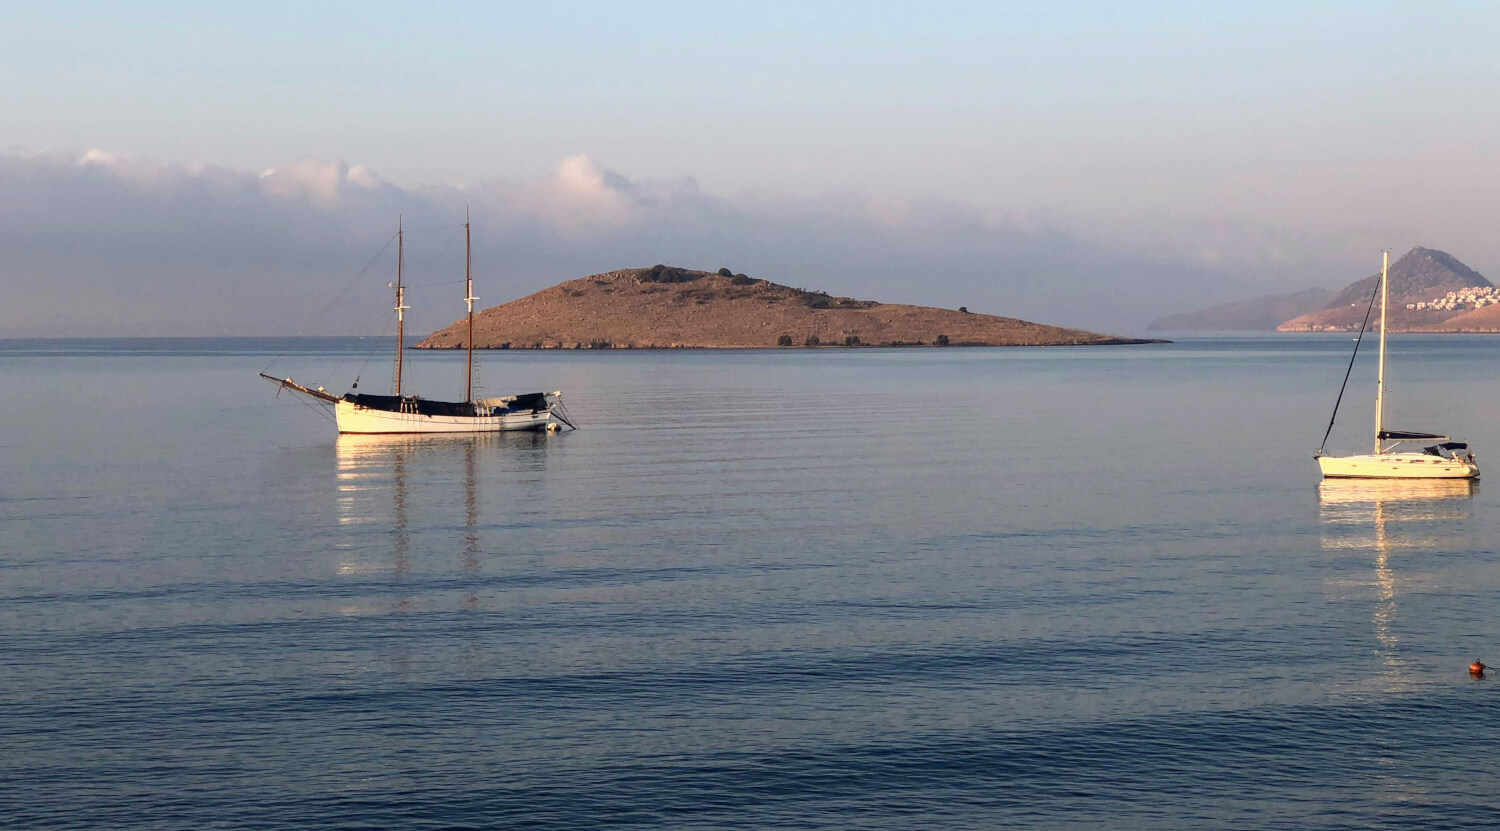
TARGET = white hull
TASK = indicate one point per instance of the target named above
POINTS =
(1396, 466)
(352, 418)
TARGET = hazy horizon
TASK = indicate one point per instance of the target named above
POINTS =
(174, 170)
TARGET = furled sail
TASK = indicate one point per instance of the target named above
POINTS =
(1404, 435)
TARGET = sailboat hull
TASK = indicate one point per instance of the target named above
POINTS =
(352, 418)
(1396, 466)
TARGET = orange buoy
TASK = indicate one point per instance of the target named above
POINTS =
(1477, 668)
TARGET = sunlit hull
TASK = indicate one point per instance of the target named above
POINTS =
(1396, 466)
(352, 418)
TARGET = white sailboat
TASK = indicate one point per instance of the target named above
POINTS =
(1444, 459)
(402, 413)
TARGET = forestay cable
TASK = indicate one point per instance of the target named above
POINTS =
(336, 298)
(1357, 342)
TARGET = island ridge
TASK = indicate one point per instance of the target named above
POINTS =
(668, 307)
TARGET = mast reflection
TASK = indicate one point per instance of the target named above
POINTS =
(1391, 517)
(400, 535)
(471, 532)
(384, 481)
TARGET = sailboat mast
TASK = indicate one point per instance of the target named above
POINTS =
(1385, 263)
(469, 298)
(401, 306)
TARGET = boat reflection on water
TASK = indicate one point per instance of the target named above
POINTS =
(392, 487)
(1394, 518)
(1333, 492)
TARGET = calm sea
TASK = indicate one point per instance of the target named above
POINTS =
(956, 588)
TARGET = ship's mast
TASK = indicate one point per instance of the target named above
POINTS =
(401, 306)
(469, 298)
(1385, 262)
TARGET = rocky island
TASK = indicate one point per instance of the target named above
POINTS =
(666, 307)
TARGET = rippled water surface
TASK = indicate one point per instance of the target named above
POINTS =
(952, 588)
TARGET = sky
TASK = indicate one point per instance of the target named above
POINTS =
(184, 169)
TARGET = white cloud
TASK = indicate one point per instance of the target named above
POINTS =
(99, 157)
(102, 244)
(583, 178)
(363, 177)
(322, 181)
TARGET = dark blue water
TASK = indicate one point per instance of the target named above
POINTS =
(963, 588)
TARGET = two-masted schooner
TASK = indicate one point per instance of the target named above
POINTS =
(405, 413)
(1444, 459)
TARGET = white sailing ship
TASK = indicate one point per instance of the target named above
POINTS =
(405, 413)
(1444, 459)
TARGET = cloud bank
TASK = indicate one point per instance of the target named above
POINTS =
(101, 245)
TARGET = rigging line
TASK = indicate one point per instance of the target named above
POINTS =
(336, 297)
(1345, 434)
(385, 328)
(383, 324)
(363, 365)
(430, 228)
(375, 345)
(439, 283)
(1357, 342)
(320, 408)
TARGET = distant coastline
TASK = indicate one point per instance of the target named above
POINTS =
(1430, 291)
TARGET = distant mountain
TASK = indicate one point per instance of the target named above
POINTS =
(667, 307)
(1261, 314)
(1422, 274)
(1415, 275)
